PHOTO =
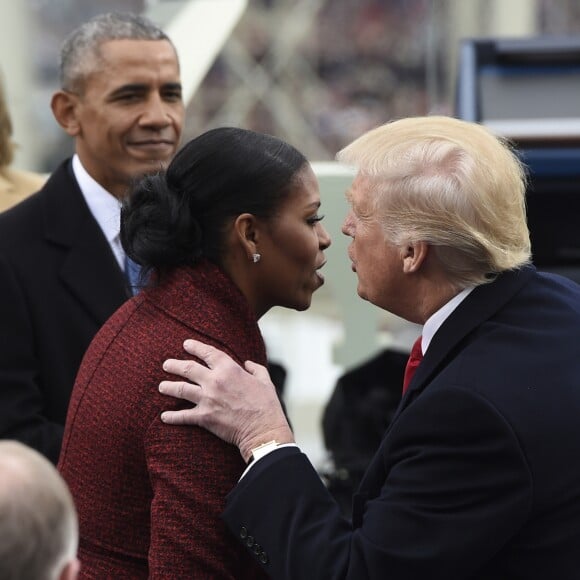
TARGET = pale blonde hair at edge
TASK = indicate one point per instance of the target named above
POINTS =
(452, 184)
(38, 521)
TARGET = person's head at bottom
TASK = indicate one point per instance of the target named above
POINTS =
(245, 201)
(38, 521)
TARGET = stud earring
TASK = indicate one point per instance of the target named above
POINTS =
(256, 258)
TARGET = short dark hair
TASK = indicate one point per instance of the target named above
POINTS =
(80, 50)
(174, 218)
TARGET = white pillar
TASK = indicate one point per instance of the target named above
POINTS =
(514, 18)
(484, 18)
(17, 70)
(198, 29)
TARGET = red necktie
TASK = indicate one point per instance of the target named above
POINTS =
(415, 359)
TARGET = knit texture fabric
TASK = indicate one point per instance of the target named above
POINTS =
(149, 495)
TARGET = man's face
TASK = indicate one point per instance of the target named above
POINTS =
(378, 264)
(129, 115)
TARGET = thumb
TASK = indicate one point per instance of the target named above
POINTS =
(258, 371)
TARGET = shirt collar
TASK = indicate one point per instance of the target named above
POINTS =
(104, 206)
(435, 321)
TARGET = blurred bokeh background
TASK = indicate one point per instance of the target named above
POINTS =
(317, 73)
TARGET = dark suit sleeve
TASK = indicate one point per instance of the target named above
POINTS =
(22, 415)
(449, 487)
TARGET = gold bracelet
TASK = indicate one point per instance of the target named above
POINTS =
(263, 449)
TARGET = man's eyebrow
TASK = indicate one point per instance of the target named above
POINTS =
(130, 88)
(143, 87)
(172, 86)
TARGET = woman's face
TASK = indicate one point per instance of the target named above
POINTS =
(292, 248)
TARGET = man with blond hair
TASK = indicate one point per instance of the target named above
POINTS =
(477, 476)
(38, 522)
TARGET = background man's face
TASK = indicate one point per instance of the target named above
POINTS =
(130, 113)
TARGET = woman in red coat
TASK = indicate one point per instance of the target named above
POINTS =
(229, 230)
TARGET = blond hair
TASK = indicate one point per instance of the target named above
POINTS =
(449, 183)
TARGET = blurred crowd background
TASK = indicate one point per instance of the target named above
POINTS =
(315, 72)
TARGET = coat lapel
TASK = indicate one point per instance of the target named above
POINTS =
(449, 340)
(88, 269)
(479, 306)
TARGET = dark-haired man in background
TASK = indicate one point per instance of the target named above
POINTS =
(61, 261)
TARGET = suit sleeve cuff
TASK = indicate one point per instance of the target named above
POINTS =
(273, 450)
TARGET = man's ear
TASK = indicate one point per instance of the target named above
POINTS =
(414, 255)
(247, 233)
(64, 107)
(71, 570)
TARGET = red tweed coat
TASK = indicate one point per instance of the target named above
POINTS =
(149, 495)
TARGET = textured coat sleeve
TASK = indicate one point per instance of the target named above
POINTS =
(449, 487)
(188, 538)
(22, 413)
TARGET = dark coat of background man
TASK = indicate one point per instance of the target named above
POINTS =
(61, 261)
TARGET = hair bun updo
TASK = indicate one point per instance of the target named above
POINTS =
(158, 230)
(173, 218)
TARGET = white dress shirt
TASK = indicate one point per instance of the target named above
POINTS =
(104, 206)
(435, 321)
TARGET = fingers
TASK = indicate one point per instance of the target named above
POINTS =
(187, 369)
(181, 390)
(183, 417)
(208, 354)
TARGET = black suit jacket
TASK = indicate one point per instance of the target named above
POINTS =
(59, 282)
(361, 407)
(477, 476)
(355, 418)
